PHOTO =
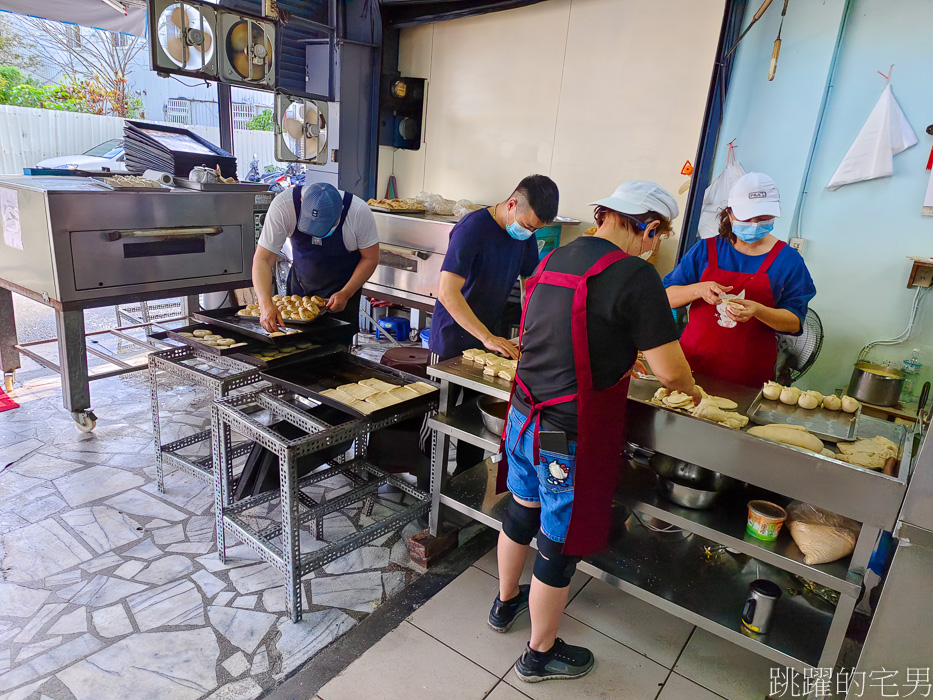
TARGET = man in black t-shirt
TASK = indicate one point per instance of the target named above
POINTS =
(564, 431)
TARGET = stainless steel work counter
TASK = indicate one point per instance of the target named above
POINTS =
(690, 574)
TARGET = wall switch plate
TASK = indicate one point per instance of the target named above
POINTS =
(798, 244)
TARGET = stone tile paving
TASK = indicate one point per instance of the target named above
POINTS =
(109, 589)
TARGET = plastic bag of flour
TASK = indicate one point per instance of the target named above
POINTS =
(821, 535)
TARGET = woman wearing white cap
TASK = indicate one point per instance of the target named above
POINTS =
(737, 340)
(590, 307)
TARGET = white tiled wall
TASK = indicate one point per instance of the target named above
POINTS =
(590, 92)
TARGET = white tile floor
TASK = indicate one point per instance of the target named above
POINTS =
(445, 649)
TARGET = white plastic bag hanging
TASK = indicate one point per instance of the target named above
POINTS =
(886, 133)
(717, 195)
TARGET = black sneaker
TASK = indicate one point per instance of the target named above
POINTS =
(502, 616)
(563, 661)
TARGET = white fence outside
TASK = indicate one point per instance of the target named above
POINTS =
(30, 135)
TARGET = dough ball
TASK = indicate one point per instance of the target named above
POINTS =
(832, 402)
(849, 405)
(789, 395)
(772, 391)
(808, 401)
(201, 332)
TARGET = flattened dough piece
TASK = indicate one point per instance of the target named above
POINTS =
(470, 353)
(403, 393)
(383, 400)
(338, 395)
(378, 384)
(360, 392)
(422, 388)
(362, 407)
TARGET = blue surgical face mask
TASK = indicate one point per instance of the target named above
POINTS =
(329, 232)
(517, 231)
(750, 233)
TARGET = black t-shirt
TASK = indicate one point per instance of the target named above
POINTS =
(627, 312)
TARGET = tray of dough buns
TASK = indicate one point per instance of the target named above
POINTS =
(324, 330)
(217, 341)
(397, 206)
(355, 385)
(269, 356)
(294, 309)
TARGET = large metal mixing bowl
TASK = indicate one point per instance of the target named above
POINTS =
(687, 496)
(493, 412)
(688, 474)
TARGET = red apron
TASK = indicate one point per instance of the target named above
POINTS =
(600, 420)
(745, 354)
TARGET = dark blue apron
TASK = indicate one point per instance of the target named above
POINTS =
(323, 266)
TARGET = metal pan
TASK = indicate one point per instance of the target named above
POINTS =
(387, 210)
(175, 334)
(834, 426)
(337, 367)
(120, 188)
(289, 322)
(221, 186)
(301, 355)
(325, 330)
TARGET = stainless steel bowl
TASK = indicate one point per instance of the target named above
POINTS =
(493, 412)
(687, 496)
(691, 475)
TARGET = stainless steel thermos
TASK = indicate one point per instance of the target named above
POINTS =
(759, 606)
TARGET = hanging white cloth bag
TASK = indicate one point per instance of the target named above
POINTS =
(717, 195)
(886, 133)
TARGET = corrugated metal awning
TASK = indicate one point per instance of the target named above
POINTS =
(124, 16)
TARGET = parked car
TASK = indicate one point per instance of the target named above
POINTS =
(109, 154)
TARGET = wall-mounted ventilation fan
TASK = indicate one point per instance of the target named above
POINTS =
(248, 50)
(193, 37)
(185, 37)
(300, 130)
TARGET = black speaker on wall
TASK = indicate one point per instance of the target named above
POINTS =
(401, 111)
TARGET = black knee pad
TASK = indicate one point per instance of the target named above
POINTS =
(520, 522)
(552, 567)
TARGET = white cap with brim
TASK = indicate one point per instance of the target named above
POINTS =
(754, 194)
(637, 197)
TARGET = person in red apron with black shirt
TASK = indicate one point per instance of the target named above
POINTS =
(335, 249)
(590, 308)
(743, 287)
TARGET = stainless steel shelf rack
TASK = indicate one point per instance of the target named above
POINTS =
(678, 573)
(219, 375)
(249, 415)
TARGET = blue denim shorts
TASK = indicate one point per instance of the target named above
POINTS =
(548, 482)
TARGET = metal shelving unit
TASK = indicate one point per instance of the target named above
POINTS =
(678, 573)
(219, 375)
(251, 416)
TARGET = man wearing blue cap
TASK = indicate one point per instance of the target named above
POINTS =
(335, 249)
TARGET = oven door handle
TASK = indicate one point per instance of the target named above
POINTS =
(408, 252)
(166, 233)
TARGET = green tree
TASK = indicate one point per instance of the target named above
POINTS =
(10, 78)
(261, 121)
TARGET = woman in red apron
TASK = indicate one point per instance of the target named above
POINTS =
(743, 287)
(589, 309)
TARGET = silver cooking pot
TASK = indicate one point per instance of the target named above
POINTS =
(689, 474)
(876, 384)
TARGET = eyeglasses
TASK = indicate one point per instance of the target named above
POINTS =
(600, 213)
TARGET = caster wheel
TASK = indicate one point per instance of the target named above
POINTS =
(8, 380)
(85, 420)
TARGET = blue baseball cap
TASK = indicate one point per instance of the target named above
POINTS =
(321, 205)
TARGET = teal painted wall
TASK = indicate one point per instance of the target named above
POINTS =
(859, 236)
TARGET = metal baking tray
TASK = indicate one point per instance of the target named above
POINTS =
(387, 210)
(300, 356)
(324, 331)
(117, 188)
(175, 334)
(187, 184)
(336, 367)
(834, 426)
(289, 322)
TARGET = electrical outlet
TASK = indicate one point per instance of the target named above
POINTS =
(798, 244)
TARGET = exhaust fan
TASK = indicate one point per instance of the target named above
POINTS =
(300, 130)
(193, 37)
